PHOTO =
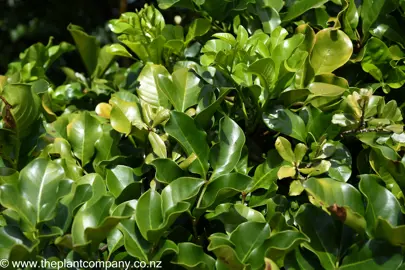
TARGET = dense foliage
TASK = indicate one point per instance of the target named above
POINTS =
(262, 134)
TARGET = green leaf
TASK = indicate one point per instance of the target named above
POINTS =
(264, 68)
(332, 50)
(104, 61)
(149, 220)
(92, 223)
(225, 155)
(167, 170)
(376, 58)
(231, 215)
(122, 183)
(88, 187)
(222, 247)
(203, 118)
(320, 123)
(175, 199)
(128, 103)
(224, 187)
(165, 4)
(373, 254)
(106, 149)
(319, 226)
(183, 129)
(299, 152)
(296, 188)
(342, 199)
(330, 192)
(119, 121)
(269, 17)
(301, 260)
(300, 7)
(247, 239)
(328, 85)
(286, 122)
(8, 175)
(148, 90)
(35, 196)
(119, 50)
(192, 256)
(15, 246)
(115, 240)
(283, 147)
(229, 38)
(371, 10)
(166, 247)
(198, 27)
(182, 88)
(387, 26)
(266, 173)
(82, 133)
(395, 235)
(382, 204)
(281, 243)
(285, 49)
(22, 108)
(286, 171)
(158, 145)
(88, 47)
(134, 243)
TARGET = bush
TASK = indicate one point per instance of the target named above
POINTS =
(248, 135)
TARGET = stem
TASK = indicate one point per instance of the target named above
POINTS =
(195, 232)
(364, 130)
(103, 248)
(244, 194)
(202, 194)
(123, 6)
(242, 103)
(17, 154)
(131, 139)
(12, 162)
(259, 112)
(363, 112)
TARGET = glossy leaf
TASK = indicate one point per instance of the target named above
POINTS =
(286, 122)
(173, 201)
(373, 254)
(224, 187)
(82, 133)
(384, 206)
(332, 50)
(167, 170)
(35, 196)
(198, 27)
(22, 108)
(148, 90)
(318, 225)
(87, 45)
(225, 155)
(299, 7)
(191, 256)
(183, 129)
(182, 88)
(283, 147)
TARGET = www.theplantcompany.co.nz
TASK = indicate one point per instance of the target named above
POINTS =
(80, 264)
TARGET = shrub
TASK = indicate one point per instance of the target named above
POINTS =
(259, 135)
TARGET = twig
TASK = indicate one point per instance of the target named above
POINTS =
(364, 130)
(123, 6)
